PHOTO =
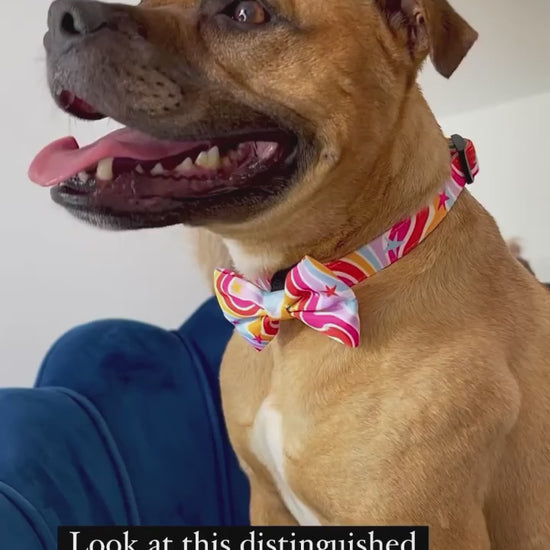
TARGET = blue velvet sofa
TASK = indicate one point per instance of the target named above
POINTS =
(123, 427)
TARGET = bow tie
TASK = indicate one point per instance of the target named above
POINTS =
(312, 293)
(320, 296)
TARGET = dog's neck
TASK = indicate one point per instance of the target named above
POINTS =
(410, 168)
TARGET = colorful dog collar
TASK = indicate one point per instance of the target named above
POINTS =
(321, 295)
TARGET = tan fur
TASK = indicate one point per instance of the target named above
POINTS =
(442, 416)
(210, 252)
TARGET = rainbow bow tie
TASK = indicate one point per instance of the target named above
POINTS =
(313, 294)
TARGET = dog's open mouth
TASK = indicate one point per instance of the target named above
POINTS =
(130, 171)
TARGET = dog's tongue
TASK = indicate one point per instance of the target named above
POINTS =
(63, 158)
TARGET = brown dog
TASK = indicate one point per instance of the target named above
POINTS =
(310, 136)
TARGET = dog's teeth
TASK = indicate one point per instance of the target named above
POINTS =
(158, 170)
(139, 169)
(104, 170)
(214, 158)
(83, 177)
(203, 160)
(226, 162)
(209, 159)
(185, 167)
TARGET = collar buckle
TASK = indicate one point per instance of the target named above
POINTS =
(460, 144)
(278, 280)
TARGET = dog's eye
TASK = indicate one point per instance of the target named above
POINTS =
(249, 12)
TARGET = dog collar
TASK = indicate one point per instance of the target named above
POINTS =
(321, 295)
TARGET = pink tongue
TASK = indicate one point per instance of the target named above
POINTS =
(63, 159)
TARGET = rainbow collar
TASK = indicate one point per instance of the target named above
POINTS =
(321, 295)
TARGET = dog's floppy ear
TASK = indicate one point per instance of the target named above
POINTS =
(434, 27)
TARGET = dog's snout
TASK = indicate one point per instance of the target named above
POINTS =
(72, 20)
(77, 17)
(76, 22)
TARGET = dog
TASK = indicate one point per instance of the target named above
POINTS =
(293, 131)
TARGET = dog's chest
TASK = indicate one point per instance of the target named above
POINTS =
(266, 442)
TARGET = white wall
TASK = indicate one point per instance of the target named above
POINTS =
(513, 144)
(56, 273)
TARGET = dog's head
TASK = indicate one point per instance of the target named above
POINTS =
(232, 108)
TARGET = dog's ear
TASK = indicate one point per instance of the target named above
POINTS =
(434, 27)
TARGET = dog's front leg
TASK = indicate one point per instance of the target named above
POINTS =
(469, 533)
(453, 525)
(266, 506)
(430, 457)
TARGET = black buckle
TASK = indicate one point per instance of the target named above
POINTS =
(279, 280)
(459, 143)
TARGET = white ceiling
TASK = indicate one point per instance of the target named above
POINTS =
(510, 60)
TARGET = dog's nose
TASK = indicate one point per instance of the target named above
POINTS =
(71, 20)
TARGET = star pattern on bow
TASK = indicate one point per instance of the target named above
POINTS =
(330, 290)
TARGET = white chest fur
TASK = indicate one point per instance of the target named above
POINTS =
(266, 441)
(252, 265)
